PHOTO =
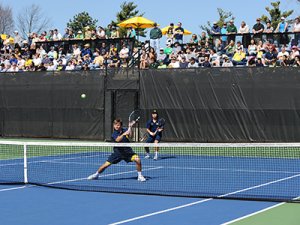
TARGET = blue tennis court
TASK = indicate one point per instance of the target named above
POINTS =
(264, 174)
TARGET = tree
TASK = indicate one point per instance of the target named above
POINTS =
(81, 21)
(224, 16)
(128, 10)
(32, 19)
(6, 19)
(275, 14)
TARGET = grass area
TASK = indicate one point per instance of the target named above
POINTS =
(287, 214)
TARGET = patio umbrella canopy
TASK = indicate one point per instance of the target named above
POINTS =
(137, 22)
(165, 30)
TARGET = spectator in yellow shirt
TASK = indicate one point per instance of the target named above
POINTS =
(239, 57)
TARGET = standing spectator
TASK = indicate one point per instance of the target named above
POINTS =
(56, 35)
(17, 39)
(131, 33)
(269, 29)
(108, 31)
(257, 30)
(66, 34)
(231, 31)
(224, 37)
(282, 28)
(101, 33)
(155, 35)
(79, 35)
(115, 33)
(178, 35)
(170, 33)
(194, 39)
(203, 39)
(296, 29)
(215, 30)
(244, 29)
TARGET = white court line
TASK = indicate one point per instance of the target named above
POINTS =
(16, 188)
(78, 179)
(202, 201)
(252, 214)
(257, 212)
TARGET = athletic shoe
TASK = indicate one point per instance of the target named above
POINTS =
(141, 178)
(155, 157)
(147, 156)
(94, 176)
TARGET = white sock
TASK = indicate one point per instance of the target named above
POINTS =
(156, 154)
(139, 174)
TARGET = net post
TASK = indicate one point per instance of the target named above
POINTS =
(25, 164)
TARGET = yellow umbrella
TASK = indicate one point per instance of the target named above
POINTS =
(165, 30)
(137, 22)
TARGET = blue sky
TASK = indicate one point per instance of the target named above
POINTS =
(191, 13)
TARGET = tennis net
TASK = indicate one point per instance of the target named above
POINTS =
(269, 172)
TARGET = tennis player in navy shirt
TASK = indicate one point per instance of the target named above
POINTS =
(154, 134)
(120, 135)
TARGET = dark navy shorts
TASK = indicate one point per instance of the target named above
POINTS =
(151, 139)
(119, 155)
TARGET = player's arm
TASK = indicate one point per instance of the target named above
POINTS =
(120, 137)
(149, 132)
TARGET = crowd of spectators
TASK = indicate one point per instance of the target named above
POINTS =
(229, 46)
(224, 46)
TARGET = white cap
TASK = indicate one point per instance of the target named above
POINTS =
(283, 18)
(16, 31)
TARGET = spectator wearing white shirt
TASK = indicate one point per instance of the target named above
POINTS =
(193, 63)
(244, 29)
(296, 29)
(56, 35)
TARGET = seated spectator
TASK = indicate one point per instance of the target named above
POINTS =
(14, 68)
(124, 53)
(168, 50)
(144, 62)
(114, 60)
(294, 53)
(206, 62)
(174, 63)
(239, 57)
(297, 61)
(214, 58)
(162, 65)
(281, 54)
(259, 62)
(183, 63)
(130, 33)
(70, 66)
(98, 60)
(161, 56)
(153, 64)
(86, 51)
(226, 61)
(193, 63)
(271, 55)
(76, 51)
(230, 49)
(252, 48)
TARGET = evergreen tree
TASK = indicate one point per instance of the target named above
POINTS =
(224, 16)
(275, 14)
(80, 21)
(128, 10)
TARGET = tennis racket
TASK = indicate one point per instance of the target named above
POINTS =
(161, 124)
(133, 118)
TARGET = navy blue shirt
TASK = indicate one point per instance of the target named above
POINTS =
(125, 139)
(152, 126)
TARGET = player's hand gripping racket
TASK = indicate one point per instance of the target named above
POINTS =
(133, 118)
(161, 124)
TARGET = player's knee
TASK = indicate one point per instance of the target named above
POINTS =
(136, 159)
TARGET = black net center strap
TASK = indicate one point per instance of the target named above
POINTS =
(238, 171)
